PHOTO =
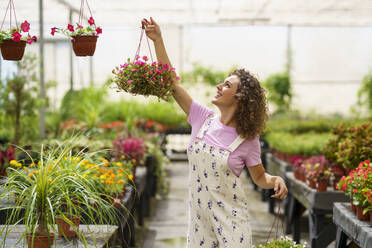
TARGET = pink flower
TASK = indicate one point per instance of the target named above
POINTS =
(144, 76)
(129, 81)
(162, 84)
(53, 31)
(34, 38)
(137, 56)
(173, 69)
(178, 78)
(166, 67)
(146, 68)
(120, 72)
(25, 26)
(137, 62)
(150, 72)
(70, 28)
(159, 63)
(99, 30)
(153, 63)
(145, 58)
(158, 71)
(91, 21)
(29, 41)
(134, 69)
(125, 65)
(16, 36)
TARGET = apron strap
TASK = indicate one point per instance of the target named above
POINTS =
(235, 143)
(205, 126)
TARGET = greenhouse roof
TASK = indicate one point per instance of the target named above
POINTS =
(241, 12)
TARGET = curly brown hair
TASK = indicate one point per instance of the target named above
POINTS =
(252, 112)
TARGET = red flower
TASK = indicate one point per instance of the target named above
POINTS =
(70, 28)
(355, 191)
(29, 40)
(34, 38)
(16, 36)
(99, 30)
(25, 26)
(53, 31)
(91, 21)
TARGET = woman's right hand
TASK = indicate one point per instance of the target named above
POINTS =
(152, 29)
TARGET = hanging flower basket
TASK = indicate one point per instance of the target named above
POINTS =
(83, 39)
(142, 77)
(13, 41)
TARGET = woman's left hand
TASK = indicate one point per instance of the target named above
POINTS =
(280, 189)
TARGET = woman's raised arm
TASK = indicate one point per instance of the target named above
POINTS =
(179, 93)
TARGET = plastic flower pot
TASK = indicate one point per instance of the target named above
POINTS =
(37, 241)
(12, 50)
(65, 229)
(360, 215)
(84, 45)
(311, 183)
(322, 186)
(353, 209)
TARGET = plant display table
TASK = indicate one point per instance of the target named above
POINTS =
(349, 227)
(96, 236)
(319, 204)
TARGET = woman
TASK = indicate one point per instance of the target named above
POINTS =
(221, 145)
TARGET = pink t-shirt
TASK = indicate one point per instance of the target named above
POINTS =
(219, 135)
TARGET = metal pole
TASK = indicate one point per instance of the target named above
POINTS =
(91, 70)
(71, 60)
(42, 83)
(289, 49)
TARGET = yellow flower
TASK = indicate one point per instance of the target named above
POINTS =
(85, 176)
(119, 164)
(49, 180)
(39, 163)
(103, 177)
(113, 176)
(120, 170)
(123, 156)
(134, 161)
(120, 181)
(19, 165)
(106, 165)
(30, 175)
(25, 168)
(13, 162)
(103, 170)
(130, 176)
(32, 165)
(109, 181)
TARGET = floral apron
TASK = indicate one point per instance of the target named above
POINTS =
(218, 205)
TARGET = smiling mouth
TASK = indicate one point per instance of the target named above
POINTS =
(218, 95)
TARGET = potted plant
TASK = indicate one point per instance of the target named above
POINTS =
(14, 40)
(39, 193)
(83, 39)
(358, 185)
(282, 242)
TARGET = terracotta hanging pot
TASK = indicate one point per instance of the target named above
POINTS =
(40, 241)
(84, 45)
(65, 229)
(13, 50)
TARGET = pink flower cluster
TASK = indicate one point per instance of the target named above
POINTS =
(16, 33)
(144, 77)
(79, 29)
(131, 147)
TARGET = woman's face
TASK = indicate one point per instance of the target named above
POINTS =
(225, 96)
